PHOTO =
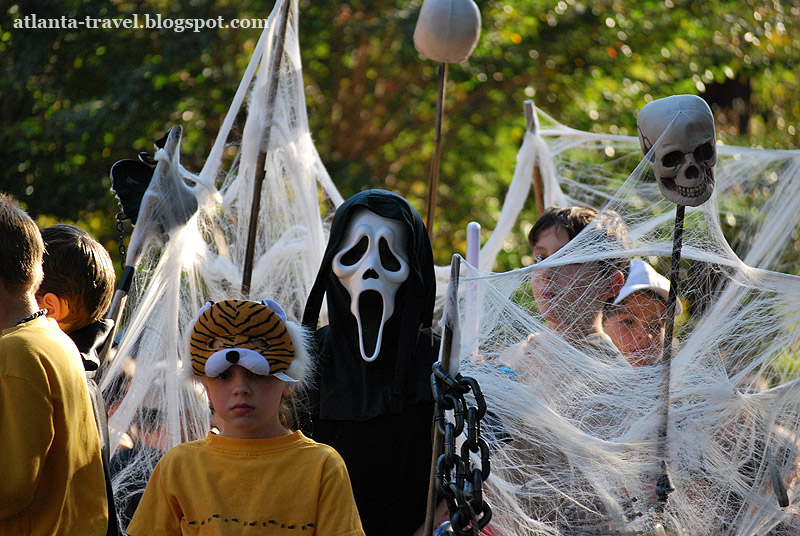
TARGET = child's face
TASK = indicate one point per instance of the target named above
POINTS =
(563, 292)
(247, 405)
(638, 328)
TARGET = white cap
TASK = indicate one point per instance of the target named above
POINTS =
(643, 277)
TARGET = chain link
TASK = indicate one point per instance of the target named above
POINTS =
(121, 232)
(457, 481)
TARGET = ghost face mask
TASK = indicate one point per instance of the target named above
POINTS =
(372, 265)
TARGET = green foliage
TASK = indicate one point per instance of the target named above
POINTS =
(73, 101)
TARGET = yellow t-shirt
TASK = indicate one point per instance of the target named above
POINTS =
(222, 485)
(51, 472)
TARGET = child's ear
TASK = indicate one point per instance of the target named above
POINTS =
(57, 308)
(288, 388)
(616, 283)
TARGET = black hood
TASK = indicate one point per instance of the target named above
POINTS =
(89, 339)
(348, 387)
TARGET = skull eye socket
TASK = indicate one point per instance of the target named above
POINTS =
(215, 343)
(673, 159)
(388, 260)
(704, 152)
(355, 253)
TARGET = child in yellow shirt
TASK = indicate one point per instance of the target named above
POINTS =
(51, 468)
(256, 472)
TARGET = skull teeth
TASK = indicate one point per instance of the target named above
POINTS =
(690, 192)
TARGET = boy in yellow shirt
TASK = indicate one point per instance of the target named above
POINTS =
(51, 475)
(256, 472)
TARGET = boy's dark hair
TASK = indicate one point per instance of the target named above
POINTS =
(78, 269)
(610, 229)
(571, 219)
(21, 247)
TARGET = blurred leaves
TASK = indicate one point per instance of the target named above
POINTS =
(73, 101)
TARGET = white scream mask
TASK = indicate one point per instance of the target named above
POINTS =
(371, 265)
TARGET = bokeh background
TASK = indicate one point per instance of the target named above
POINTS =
(74, 101)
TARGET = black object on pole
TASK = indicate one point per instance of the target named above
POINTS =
(664, 484)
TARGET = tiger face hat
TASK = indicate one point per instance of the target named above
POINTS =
(255, 335)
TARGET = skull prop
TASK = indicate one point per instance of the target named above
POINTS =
(677, 135)
(372, 265)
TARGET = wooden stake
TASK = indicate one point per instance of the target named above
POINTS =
(532, 126)
(274, 67)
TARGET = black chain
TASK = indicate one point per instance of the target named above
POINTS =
(457, 480)
(121, 232)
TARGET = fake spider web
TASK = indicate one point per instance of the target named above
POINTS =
(182, 265)
(574, 439)
(577, 437)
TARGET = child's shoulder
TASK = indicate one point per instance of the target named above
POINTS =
(601, 347)
(187, 451)
(308, 443)
(319, 451)
(216, 445)
(515, 355)
(31, 348)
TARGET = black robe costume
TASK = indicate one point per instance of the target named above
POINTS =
(378, 415)
(89, 339)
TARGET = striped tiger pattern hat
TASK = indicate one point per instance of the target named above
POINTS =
(255, 335)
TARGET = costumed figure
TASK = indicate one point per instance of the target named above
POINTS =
(257, 472)
(371, 399)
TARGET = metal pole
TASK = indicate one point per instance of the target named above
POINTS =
(438, 438)
(115, 313)
(674, 277)
(437, 148)
(664, 484)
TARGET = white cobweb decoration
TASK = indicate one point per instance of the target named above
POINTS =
(576, 441)
(203, 259)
